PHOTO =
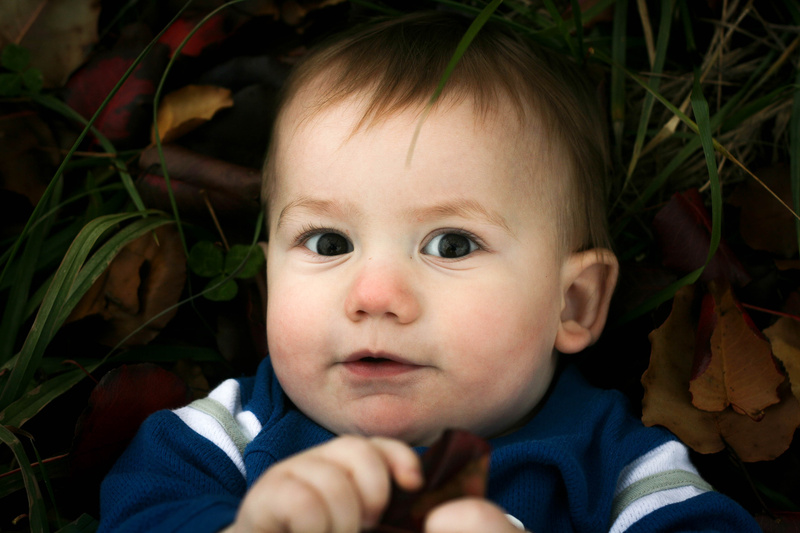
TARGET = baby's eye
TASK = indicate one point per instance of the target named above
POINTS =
(328, 244)
(450, 246)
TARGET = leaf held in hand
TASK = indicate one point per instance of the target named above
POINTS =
(189, 107)
(455, 466)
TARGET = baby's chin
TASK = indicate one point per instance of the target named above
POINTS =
(413, 435)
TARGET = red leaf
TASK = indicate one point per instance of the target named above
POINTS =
(118, 405)
(454, 467)
(128, 115)
(212, 32)
(684, 231)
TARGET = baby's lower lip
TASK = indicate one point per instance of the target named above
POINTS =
(378, 368)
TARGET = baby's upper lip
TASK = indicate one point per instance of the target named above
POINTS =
(369, 354)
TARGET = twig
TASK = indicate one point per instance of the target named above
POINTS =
(214, 218)
(73, 362)
(771, 311)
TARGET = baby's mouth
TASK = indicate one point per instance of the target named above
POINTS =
(378, 365)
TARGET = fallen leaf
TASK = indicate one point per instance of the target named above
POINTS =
(765, 439)
(739, 370)
(210, 33)
(763, 222)
(58, 33)
(785, 338)
(455, 466)
(136, 294)
(28, 154)
(667, 401)
(127, 118)
(232, 190)
(118, 405)
(684, 227)
(187, 108)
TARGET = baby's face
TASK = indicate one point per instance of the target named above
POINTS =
(406, 299)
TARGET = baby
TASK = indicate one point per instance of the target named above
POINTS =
(426, 266)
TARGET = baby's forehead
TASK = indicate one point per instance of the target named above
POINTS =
(312, 106)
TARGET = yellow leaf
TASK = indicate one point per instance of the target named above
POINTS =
(189, 107)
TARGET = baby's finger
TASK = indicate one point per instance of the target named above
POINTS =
(468, 515)
(372, 463)
(403, 462)
(316, 491)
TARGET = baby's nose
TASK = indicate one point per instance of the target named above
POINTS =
(382, 290)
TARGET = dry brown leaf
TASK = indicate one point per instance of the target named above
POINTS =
(765, 439)
(667, 401)
(58, 33)
(785, 338)
(144, 279)
(187, 108)
(740, 371)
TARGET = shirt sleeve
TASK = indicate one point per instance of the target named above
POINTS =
(662, 491)
(707, 512)
(170, 479)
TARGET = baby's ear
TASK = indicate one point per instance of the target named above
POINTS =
(588, 279)
(264, 247)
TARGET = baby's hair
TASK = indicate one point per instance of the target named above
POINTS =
(396, 65)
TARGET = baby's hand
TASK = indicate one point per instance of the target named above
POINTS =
(469, 515)
(342, 486)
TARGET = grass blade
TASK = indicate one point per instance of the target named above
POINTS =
(704, 128)
(563, 29)
(37, 513)
(619, 47)
(60, 107)
(63, 293)
(19, 292)
(156, 102)
(36, 399)
(660, 55)
(794, 152)
(463, 44)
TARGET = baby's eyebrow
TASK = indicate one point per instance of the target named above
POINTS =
(460, 208)
(463, 208)
(317, 206)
